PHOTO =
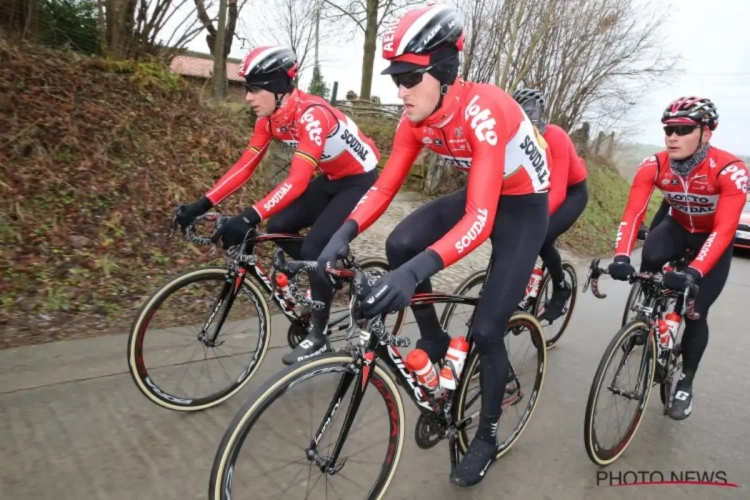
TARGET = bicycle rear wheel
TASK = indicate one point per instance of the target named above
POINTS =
(624, 342)
(324, 380)
(562, 322)
(161, 371)
(526, 377)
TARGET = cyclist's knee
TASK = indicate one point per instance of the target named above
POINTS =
(400, 247)
(310, 249)
(489, 333)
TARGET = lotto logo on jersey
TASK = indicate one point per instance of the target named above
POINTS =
(474, 231)
(312, 126)
(482, 122)
(738, 175)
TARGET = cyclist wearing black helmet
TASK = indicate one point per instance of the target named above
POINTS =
(706, 190)
(568, 194)
(325, 140)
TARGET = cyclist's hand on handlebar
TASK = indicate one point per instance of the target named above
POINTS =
(621, 269)
(390, 293)
(679, 281)
(337, 248)
(235, 229)
(187, 213)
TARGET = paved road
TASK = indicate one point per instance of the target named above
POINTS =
(73, 425)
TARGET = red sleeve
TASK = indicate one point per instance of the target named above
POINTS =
(241, 172)
(559, 164)
(314, 127)
(483, 188)
(640, 192)
(403, 154)
(732, 184)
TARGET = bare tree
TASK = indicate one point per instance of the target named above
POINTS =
(591, 58)
(290, 23)
(152, 17)
(367, 16)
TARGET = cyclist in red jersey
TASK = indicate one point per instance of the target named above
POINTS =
(705, 188)
(482, 131)
(568, 194)
(325, 140)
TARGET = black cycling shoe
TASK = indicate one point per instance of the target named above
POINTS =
(436, 349)
(315, 343)
(475, 463)
(682, 402)
(554, 307)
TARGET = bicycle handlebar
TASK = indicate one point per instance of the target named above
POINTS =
(236, 252)
(690, 292)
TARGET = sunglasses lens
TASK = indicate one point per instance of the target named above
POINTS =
(680, 130)
(408, 80)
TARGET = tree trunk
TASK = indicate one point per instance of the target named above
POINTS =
(220, 60)
(368, 61)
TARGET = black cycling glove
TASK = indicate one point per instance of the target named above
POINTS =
(186, 214)
(393, 291)
(621, 269)
(678, 281)
(337, 248)
(234, 230)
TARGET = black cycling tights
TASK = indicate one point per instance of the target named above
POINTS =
(517, 236)
(667, 241)
(323, 207)
(564, 217)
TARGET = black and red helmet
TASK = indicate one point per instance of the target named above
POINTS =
(691, 111)
(265, 65)
(410, 41)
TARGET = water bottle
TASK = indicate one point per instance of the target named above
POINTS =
(282, 282)
(418, 362)
(456, 356)
(536, 279)
(672, 319)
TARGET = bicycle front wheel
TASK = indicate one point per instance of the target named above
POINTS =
(297, 418)
(633, 343)
(181, 355)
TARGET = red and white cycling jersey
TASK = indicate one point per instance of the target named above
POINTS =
(709, 200)
(324, 138)
(566, 167)
(480, 130)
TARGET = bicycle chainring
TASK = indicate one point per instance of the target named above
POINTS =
(429, 431)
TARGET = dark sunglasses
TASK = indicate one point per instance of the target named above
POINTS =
(411, 78)
(680, 130)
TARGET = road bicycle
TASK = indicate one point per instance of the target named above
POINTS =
(231, 312)
(536, 297)
(659, 361)
(635, 297)
(372, 367)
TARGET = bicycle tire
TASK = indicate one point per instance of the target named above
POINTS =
(297, 331)
(592, 448)
(262, 398)
(472, 361)
(635, 289)
(477, 277)
(566, 266)
(136, 365)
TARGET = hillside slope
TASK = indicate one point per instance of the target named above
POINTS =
(94, 158)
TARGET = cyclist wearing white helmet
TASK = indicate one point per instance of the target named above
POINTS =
(481, 130)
